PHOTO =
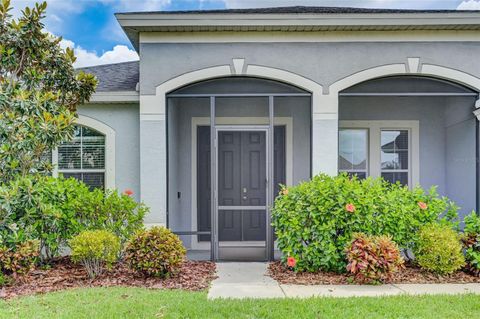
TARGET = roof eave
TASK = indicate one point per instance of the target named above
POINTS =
(133, 23)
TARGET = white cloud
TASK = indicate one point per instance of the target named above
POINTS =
(469, 5)
(137, 5)
(119, 53)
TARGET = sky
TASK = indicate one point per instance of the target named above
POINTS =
(90, 27)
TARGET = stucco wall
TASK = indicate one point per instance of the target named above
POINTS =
(447, 138)
(324, 62)
(124, 119)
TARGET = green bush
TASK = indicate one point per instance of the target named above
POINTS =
(155, 252)
(43, 208)
(471, 243)
(109, 210)
(438, 249)
(53, 210)
(315, 220)
(20, 260)
(373, 259)
(95, 250)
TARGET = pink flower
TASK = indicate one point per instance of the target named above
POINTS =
(128, 192)
(422, 205)
(350, 208)
(291, 262)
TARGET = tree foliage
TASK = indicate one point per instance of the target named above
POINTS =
(39, 91)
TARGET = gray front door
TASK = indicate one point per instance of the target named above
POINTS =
(239, 158)
(242, 182)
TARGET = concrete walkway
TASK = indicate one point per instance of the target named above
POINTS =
(249, 280)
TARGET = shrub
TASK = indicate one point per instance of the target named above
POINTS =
(109, 210)
(155, 252)
(43, 208)
(54, 210)
(438, 249)
(95, 250)
(315, 220)
(20, 260)
(373, 259)
(471, 243)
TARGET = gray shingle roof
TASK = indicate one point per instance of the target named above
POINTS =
(115, 77)
(299, 10)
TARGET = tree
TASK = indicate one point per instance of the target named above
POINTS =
(39, 92)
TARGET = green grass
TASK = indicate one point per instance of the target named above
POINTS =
(142, 303)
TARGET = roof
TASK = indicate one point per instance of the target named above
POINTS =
(296, 19)
(115, 77)
(297, 10)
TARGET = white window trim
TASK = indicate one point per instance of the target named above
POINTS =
(374, 145)
(109, 149)
(202, 121)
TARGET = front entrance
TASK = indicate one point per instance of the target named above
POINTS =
(242, 148)
(241, 187)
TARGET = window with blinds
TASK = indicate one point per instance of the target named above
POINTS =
(84, 157)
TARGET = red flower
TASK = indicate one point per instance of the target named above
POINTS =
(350, 208)
(422, 205)
(128, 192)
(291, 262)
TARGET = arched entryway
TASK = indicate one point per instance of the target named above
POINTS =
(412, 129)
(231, 142)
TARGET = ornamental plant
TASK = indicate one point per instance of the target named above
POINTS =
(54, 210)
(95, 250)
(373, 259)
(315, 220)
(155, 252)
(42, 208)
(471, 243)
(19, 260)
(112, 211)
(438, 249)
(39, 92)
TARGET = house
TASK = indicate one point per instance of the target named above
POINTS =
(224, 106)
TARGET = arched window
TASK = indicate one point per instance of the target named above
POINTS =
(84, 157)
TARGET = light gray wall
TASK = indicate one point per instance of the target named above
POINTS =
(447, 138)
(180, 116)
(124, 119)
(324, 62)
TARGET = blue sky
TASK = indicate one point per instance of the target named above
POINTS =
(89, 26)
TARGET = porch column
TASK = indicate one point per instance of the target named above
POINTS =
(324, 133)
(153, 158)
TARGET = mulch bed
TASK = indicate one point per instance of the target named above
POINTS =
(193, 275)
(410, 275)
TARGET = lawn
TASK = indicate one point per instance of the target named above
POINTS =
(143, 303)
